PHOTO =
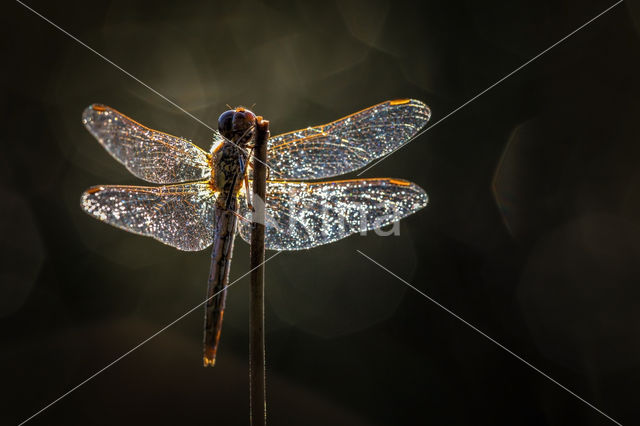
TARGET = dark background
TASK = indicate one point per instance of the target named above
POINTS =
(532, 233)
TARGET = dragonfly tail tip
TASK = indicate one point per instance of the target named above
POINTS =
(208, 362)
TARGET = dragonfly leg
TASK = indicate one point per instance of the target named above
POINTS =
(239, 216)
(244, 164)
(249, 194)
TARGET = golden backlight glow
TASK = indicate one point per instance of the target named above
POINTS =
(399, 182)
(399, 101)
(93, 190)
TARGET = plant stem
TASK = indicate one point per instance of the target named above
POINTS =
(257, 390)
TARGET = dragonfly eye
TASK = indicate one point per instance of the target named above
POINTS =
(225, 124)
(243, 126)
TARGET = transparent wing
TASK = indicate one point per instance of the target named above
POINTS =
(302, 215)
(347, 144)
(178, 215)
(148, 154)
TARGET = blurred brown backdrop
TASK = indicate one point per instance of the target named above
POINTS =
(532, 232)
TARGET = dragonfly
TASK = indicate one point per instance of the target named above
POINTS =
(204, 199)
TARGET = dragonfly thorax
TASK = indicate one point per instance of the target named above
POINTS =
(229, 159)
(229, 167)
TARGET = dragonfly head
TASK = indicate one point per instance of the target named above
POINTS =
(238, 125)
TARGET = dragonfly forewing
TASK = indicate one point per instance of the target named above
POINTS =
(348, 144)
(151, 155)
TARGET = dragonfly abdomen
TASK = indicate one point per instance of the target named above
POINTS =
(224, 235)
